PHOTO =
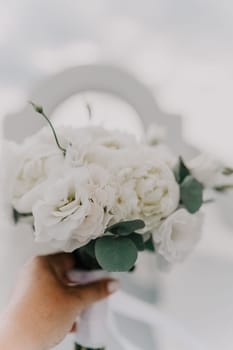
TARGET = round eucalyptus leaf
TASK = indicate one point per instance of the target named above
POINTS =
(181, 171)
(124, 228)
(149, 245)
(138, 241)
(191, 194)
(90, 248)
(115, 254)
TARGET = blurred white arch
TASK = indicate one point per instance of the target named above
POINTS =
(54, 90)
(94, 108)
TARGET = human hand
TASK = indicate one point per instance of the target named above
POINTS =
(44, 307)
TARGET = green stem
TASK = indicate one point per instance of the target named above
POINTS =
(54, 133)
(40, 110)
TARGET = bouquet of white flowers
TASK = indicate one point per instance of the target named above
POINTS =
(107, 197)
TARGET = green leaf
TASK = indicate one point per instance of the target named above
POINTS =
(124, 228)
(181, 171)
(149, 245)
(85, 261)
(115, 254)
(90, 248)
(138, 241)
(191, 194)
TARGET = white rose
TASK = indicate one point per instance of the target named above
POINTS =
(74, 210)
(39, 158)
(76, 155)
(34, 164)
(157, 191)
(178, 234)
(77, 143)
(97, 145)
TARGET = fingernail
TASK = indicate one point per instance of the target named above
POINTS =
(113, 286)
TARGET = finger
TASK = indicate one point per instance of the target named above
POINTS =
(87, 294)
(61, 263)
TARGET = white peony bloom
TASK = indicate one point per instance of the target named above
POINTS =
(156, 189)
(126, 204)
(75, 209)
(147, 191)
(209, 171)
(178, 234)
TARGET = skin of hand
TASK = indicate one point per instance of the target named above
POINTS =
(44, 306)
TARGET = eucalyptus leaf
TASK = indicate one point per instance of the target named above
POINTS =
(90, 248)
(149, 245)
(124, 228)
(191, 194)
(115, 254)
(85, 261)
(138, 241)
(180, 171)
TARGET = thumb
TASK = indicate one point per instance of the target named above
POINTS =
(84, 295)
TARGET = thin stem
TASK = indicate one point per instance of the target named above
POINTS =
(54, 133)
(40, 110)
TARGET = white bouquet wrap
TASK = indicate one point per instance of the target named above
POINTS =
(93, 322)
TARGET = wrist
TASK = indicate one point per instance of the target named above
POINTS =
(15, 334)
